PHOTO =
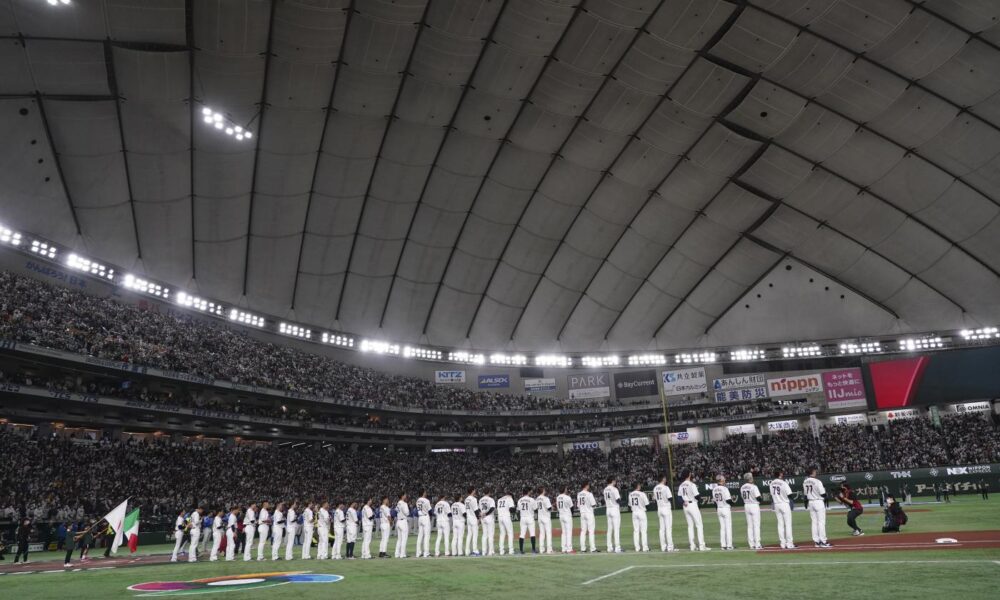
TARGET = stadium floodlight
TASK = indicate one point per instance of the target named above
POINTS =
(461, 356)
(9, 236)
(983, 333)
(647, 360)
(43, 249)
(422, 353)
(690, 358)
(600, 361)
(862, 348)
(246, 318)
(59, 2)
(553, 360)
(801, 351)
(199, 304)
(224, 124)
(145, 286)
(295, 331)
(89, 266)
(927, 343)
(745, 354)
(338, 339)
(379, 347)
(509, 360)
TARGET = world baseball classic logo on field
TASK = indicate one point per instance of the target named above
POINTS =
(231, 583)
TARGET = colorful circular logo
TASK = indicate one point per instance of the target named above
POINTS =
(231, 583)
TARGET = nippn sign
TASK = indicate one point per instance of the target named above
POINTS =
(795, 385)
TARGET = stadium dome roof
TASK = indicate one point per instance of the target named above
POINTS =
(603, 174)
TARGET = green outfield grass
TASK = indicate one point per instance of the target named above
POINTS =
(961, 573)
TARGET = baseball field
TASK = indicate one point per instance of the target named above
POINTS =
(947, 550)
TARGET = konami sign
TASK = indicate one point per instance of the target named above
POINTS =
(795, 385)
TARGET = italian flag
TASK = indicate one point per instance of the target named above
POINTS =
(132, 530)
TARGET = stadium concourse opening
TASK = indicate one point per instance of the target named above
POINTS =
(449, 296)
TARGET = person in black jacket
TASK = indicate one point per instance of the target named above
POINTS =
(21, 537)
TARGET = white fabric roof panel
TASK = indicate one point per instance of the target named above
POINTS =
(606, 166)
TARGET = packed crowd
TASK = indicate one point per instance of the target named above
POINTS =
(34, 312)
(58, 477)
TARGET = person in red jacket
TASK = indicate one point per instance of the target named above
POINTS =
(849, 498)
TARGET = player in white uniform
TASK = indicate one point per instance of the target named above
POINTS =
(544, 505)
(423, 526)
(564, 504)
(339, 524)
(586, 502)
(367, 527)
(612, 499)
(194, 530)
(688, 493)
(637, 503)
(263, 528)
(471, 524)
(218, 529)
(180, 527)
(457, 525)
(723, 509)
(278, 531)
(442, 514)
(384, 527)
(249, 528)
(291, 526)
(308, 526)
(526, 508)
(487, 514)
(323, 532)
(232, 525)
(352, 529)
(816, 496)
(750, 494)
(504, 505)
(780, 491)
(402, 526)
(665, 514)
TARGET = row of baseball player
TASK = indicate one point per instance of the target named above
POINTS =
(458, 520)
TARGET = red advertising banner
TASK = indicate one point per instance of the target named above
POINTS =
(844, 388)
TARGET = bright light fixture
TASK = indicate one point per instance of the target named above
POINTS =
(89, 266)
(344, 341)
(690, 358)
(928, 343)
(983, 333)
(145, 286)
(246, 318)
(379, 347)
(862, 348)
(460, 356)
(553, 360)
(801, 351)
(199, 304)
(600, 361)
(647, 360)
(422, 353)
(9, 236)
(746, 354)
(43, 249)
(295, 330)
(224, 124)
(510, 360)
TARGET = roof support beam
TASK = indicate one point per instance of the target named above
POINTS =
(59, 170)
(259, 138)
(606, 173)
(109, 62)
(421, 26)
(448, 129)
(350, 10)
(504, 140)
